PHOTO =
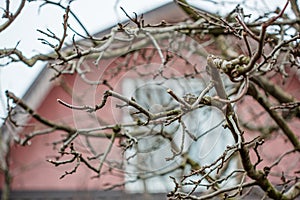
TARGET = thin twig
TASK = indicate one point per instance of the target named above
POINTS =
(201, 95)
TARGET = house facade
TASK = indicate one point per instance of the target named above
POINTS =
(29, 167)
(135, 75)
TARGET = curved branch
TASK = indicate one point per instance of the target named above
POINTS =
(21, 58)
(278, 93)
(263, 101)
(223, 190)
(73, 14)
(39, 118)
(12, 18)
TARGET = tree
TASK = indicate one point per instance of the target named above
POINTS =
(237, 91)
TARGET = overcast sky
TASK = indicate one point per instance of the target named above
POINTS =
(96, 16)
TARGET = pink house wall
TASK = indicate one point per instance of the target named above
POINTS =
(31, 171)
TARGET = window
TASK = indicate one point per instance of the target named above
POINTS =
(150, 155)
